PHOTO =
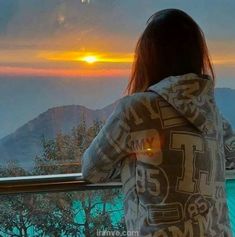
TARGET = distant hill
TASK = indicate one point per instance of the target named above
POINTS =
(25, 143)
(225, 98)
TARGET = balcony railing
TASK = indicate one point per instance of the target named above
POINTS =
(59, 182)
(75, 182)
(50, 183)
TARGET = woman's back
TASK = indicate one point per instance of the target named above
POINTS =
(167, 138)
(174, 177)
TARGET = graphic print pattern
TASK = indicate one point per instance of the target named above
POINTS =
(169, 146)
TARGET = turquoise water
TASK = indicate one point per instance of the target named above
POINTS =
(230, 187)
(116, 210)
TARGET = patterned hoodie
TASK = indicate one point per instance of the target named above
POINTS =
(168, 146)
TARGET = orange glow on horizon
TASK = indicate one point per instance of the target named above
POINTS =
(224, 60)
(96, 57)
(88, 57)
(74, 73)
(79, 64)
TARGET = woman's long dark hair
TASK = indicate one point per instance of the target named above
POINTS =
(172, 44)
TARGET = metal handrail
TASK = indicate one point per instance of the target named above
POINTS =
(59, 183)
(230, 174)
(51, 183)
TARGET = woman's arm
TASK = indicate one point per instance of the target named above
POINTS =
(102, 160)
(229, 144)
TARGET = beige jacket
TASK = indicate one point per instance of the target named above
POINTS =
(169, 146)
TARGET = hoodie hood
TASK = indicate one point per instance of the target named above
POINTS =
(193, 97)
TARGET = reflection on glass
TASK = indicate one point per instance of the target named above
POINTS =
(71, 213)
(61, 214)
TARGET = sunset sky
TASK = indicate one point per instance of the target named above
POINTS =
(54, 38)
(62, 46)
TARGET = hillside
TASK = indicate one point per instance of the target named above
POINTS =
(225, 98)
(25, 143)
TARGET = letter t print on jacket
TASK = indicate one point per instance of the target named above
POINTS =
(170, 146)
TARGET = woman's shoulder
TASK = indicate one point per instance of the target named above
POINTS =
(139, 97)
(138, 101)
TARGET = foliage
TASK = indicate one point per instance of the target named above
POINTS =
(63, 213)
(63, 154)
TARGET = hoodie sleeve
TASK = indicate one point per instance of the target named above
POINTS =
(102, 160)
(229, 144)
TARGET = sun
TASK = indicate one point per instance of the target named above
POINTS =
(90, 59)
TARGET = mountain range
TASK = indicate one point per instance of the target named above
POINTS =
(25, 143)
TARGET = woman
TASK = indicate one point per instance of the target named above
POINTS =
(166, 138)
